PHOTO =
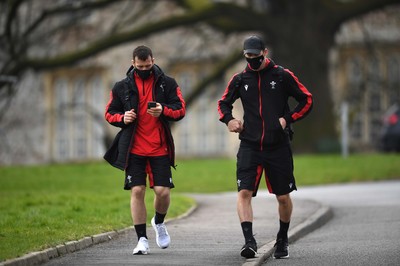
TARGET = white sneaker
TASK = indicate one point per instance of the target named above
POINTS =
(142, 247)
(162, 237)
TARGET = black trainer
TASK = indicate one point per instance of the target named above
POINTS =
(249, 249)
(281, 249)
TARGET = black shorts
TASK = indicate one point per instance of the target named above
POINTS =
(278, 166)
(158, 170)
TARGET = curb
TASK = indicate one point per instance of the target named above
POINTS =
(40, 257)
(43, 256)
(316, 220)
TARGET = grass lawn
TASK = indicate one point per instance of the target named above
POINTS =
(42, 206)
(197, 175)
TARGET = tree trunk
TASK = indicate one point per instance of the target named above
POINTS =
(310, 64)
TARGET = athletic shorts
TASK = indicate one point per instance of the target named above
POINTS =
(277, 164)
(157, 169)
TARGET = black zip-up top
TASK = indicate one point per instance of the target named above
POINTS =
(125, 96)
(264, 95)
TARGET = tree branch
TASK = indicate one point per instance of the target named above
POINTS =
(343, 11)
(216, 73)
(11, 16)
(218, 15)
(117, 39)
(69, 8)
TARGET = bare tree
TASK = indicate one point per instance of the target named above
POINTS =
(299, 33)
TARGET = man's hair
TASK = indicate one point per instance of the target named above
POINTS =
(142, 52)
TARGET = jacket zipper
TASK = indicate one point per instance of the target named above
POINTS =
(260, 109)
(154, 87)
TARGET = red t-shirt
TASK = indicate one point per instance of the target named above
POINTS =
(149, 138)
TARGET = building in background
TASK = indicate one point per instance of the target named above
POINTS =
(365, 73)
(57, 115)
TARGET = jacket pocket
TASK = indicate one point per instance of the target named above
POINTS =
(274, 134)
(273, 137)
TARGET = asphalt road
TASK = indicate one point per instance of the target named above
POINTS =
(364, 230)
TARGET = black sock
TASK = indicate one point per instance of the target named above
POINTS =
(159, 218)
(283, 230)
(140, 230)
(247, 228)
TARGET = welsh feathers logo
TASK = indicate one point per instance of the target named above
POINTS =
(273, 83)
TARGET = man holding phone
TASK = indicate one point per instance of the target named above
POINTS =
(142, 105)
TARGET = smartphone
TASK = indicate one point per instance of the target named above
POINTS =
(151, 105)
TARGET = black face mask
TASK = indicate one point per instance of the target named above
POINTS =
(255, 62)
(144, 74)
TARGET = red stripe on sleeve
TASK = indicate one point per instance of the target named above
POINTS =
(221, 115)
(175, 114)
(112, 118)
(308, 104)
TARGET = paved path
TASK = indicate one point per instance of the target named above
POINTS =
(365, 229)
(210, 235)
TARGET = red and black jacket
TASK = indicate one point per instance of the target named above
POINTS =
(124, 97)
(264, 95)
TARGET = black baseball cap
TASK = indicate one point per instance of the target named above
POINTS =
(253, 45)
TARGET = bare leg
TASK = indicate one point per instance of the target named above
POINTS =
(161, 199)
(285, 207)
(244, 208)
(138, 207)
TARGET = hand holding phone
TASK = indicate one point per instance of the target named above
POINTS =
(151, 105)
(154, 109)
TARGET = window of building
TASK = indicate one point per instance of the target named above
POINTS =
(356, 127)
(221, 130)
(394, 80)
(200, 133)
(374, 99)
(62, 148)
(204, 128)
(96, 110)
(183, 139)
(355, 77)
(80, 121)
(355, 73)
(77, 123)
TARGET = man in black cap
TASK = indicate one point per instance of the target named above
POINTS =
(264, 89)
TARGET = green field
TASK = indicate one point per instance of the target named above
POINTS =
(42, 206)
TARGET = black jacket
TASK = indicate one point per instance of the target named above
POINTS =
(264, 95)
(124, 97)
